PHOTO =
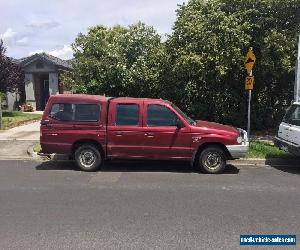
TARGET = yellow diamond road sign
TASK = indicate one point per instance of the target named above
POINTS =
(249, 60)
(249, 82)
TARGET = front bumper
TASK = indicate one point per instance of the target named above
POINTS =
(287, 146)
(239, 150)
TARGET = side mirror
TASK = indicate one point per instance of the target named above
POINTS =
(179, 124)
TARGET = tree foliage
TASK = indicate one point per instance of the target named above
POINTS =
(11, 75)
(118, 61)
(200, 65)
(207, 48)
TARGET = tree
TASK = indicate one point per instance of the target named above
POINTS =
(11, 74)
(118, 61)
(200, 65)
(207, 48)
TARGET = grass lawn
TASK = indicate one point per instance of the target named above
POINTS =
(15, 118)
(259, 149)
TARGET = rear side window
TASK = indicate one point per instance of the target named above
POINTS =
(75, 112)
(158, 115)
(127, 114)
(86, 112)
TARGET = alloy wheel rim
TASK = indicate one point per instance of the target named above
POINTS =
(212, 160)
(87, 158)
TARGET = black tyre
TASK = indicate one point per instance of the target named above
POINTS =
(88, 157)
(212, 160)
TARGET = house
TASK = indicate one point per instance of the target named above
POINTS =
(42, 79)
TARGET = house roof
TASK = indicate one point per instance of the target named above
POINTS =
(65, 64)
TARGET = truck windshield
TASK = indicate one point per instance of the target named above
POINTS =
(292, 115)
(187, 118)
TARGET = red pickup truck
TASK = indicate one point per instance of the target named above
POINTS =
(93, 128)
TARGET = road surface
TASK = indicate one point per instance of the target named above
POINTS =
(143, 205)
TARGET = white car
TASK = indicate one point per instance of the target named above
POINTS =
(288, 137)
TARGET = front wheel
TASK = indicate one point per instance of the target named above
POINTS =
(88, 158)
(212, 160)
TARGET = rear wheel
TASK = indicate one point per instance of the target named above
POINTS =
(88, 157)
(212, 160)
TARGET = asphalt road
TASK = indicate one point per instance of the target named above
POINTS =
(143, 206)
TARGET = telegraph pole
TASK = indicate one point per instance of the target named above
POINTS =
(249, 62)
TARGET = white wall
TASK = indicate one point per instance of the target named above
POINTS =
(11, 99)
(53, 84)
(29, 90)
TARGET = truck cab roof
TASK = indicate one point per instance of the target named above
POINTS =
(78, 97)
(85, 97)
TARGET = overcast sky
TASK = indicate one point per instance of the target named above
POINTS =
(34, 25)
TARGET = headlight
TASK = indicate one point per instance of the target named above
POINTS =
(239, 140)
(242, 137)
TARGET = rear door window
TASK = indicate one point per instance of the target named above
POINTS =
(127, 114)
(75, 112)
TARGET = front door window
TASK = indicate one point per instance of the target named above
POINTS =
(160, 116)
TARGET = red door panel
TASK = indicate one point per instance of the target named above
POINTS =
(125, 131)
(166, 143)
(162, 141)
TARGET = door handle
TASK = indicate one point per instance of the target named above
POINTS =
(119, 133)
(46, 123)
(53, 134)
(149, 134)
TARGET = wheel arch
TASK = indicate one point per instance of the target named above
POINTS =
(210, 144)
(78, 143)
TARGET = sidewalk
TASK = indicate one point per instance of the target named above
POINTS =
(16, 150)
(15, 142)
(27, 132)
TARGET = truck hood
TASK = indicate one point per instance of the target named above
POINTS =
(217, 127)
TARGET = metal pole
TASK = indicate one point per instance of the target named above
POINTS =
(297, 75)
(249, 111)
(0, 113)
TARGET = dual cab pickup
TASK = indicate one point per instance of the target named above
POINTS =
(93, 128)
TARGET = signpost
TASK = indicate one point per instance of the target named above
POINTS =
(249, 82)
(249, 62)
